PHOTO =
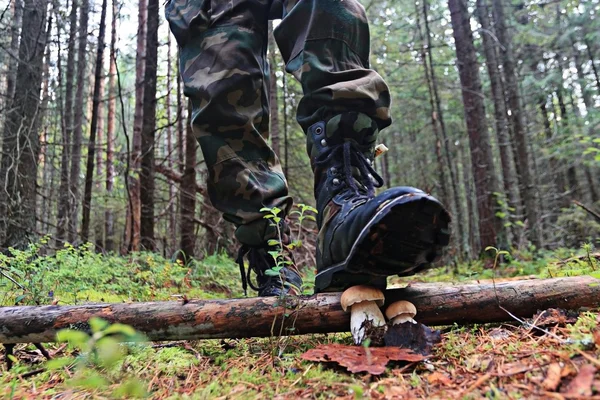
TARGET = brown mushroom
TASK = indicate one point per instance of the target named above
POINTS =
(400, 312)
(363, 302)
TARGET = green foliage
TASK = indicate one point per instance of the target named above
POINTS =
(98, 355)
(78, 275)
(575, 226)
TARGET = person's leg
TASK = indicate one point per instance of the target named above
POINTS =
(224, 70)
(362, 238)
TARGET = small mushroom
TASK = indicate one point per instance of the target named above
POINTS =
(365, 315)
(400, 312)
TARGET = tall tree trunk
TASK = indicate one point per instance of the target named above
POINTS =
(433, 114)
(79, 106)
(516, 114)
(21, 142)
(44, 163)
(188, 195)
(140, 66)
(109, 224)
(555, 165)
(588, 47)
(11, 74)
(481, 154)
(89, 174)
(273, 89)
(148, 126)
(180, 129)
(67, 129)
(171, 228)
(509, 173)
(460, 209)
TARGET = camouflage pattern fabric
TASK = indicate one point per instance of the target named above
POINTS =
(224, 68)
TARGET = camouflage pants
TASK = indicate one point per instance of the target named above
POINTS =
(223, 64)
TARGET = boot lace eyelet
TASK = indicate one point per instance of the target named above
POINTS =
(324, 143)
(318, 130)
(333, 170)
(336, 181)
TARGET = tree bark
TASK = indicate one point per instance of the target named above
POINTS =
(133, 238)
(109, 223)
(460, 209)
(11, 74)
(21, 142)
(89, 173)
(520, 135)
(79, 106)
(171, 212)
(62, 223)
(474, 109)
(188, 195)
(509, 173)
(437, 304)
(148, 126)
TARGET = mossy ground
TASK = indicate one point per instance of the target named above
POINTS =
(489, 361)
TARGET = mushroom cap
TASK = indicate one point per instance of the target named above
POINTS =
(359, 293)
(401, 307)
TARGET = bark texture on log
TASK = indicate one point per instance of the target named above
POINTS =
(438, 304)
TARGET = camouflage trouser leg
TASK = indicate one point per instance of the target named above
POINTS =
(223, 44)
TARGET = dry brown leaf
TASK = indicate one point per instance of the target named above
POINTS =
(439, 378)
(581, 385)
(360, 359)
(554, 317)
(552, 377)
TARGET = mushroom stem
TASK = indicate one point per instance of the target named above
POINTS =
(364, 315)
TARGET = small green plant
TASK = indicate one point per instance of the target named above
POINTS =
(98, 354)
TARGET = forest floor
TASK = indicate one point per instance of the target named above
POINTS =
(499, 361)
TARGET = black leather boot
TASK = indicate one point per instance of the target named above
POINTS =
(271, 280)
(363, 238)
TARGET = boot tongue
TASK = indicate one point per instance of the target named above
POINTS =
(352, 126)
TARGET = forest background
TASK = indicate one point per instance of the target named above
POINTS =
(496, 106)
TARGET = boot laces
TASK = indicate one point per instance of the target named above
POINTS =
(256, 258)
(352, 156)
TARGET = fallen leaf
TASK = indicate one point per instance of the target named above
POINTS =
(416, 337)
(360, 359)
(552, 377)
(438, 377)
(581, 385)
(554, 317)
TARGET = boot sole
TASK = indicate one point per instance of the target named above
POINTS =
(403, 238)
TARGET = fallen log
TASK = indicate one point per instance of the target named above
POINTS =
(438, 304)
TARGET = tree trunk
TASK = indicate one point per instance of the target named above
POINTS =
(180, 129)
(509, 173)
(109, 224)
(64, 198)
(21, 142)
(514, 102)
(433, 115)
(481, 155)
(79, 107)
(140, 67)
(89, 174)
(187, 193)
(11, 73)
(588, 46)
(437, 304)
(460, 209)
(171, 212)
(149, 124)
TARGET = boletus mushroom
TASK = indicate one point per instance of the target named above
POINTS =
(363, 302)
(400, 312)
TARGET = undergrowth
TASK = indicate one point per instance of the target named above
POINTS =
(471, 362)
